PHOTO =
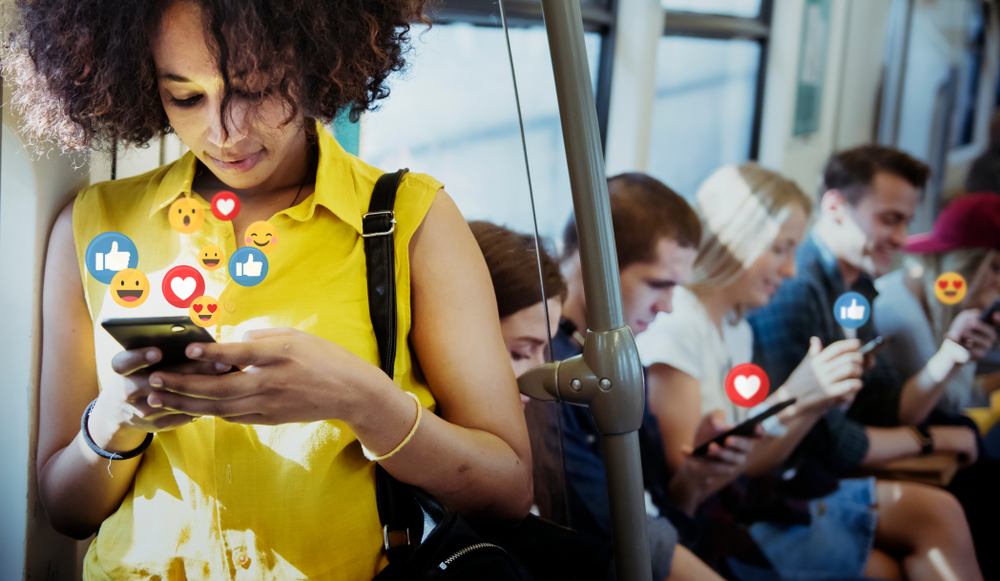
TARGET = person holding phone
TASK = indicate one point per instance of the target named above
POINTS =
(753, 220)
(267, 472)
(934, 337)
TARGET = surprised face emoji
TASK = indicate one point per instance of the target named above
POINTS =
(262, 236)
(186, 215)
(129, 288)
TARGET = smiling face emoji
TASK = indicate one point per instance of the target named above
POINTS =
(186, 215)
(129, 288)
(950, 288)
(204, 311)
(211, 257)
(262, 236)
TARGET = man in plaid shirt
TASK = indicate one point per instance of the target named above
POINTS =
(870, 196)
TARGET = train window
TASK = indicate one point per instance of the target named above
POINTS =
(703, 110)
(732, 7)
(452, 114)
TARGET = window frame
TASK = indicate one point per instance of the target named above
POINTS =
(728, 27)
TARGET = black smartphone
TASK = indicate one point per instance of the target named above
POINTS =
(171, 334)
(874, 346)
(745, 429)
(987, 315)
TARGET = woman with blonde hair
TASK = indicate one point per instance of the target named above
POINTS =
(753, 220)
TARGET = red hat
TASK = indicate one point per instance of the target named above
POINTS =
(971, 221)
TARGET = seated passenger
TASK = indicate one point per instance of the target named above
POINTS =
(269, 472)
(870, 195)
(920, 326)
(752, 221)
(656, 235)
(514, 269)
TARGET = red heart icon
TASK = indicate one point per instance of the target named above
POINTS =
(196, 307)
(956, 283)
(943, 284)
(212, 307)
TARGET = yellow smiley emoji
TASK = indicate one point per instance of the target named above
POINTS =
(129, 288)
(204, 311)
(186, 215)
(950, 288)
(262, 236)
(210, 257)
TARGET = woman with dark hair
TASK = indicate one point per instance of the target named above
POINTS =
(519, 283)
(275, 479)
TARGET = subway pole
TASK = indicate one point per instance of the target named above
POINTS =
(610, 353)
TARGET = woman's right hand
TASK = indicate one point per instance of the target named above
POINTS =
(121, 418)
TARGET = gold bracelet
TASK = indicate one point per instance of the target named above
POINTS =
(413, 430)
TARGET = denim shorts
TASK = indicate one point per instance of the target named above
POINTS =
(837, 541)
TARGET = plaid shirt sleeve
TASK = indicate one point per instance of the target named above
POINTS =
(781, 330)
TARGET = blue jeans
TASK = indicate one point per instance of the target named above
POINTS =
(837, 541)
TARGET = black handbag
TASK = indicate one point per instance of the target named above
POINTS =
(453, 548)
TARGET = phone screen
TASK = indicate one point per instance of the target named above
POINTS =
(170, 334)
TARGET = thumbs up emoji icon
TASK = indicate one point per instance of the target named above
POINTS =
(109, 253)
(852, 310)
(855, 312)
(248, 266)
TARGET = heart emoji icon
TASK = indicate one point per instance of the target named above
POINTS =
(182, 284)
(197, 307)
(183, 287)
(225, 205)
(747, 385)
(212, 307)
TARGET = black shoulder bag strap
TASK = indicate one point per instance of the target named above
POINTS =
(397, 510)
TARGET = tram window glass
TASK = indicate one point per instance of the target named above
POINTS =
(703, 109)
(452, 115)
(749, 8)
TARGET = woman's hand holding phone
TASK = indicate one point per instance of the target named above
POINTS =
(122, 417)
(969, 331)
(698, 477)
(288, 376)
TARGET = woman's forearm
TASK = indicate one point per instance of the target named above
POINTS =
(80, 489)
(771, 452)
(468, 469)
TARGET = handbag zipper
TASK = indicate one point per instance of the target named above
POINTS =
(444, 564)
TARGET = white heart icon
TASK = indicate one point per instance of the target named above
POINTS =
(747, 386)
(184, 287)
(225, 206)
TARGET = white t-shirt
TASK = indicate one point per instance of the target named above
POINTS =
(686, 339)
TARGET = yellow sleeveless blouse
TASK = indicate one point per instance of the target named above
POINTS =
(216, 500)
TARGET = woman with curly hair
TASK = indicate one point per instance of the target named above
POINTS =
(268, 471)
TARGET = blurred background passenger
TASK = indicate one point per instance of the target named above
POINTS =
(870, 196)
(984, 175)
(656, 238)
(752, 221)
(965, 240)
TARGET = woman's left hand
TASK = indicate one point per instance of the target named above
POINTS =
(976, 336)
(288, 376)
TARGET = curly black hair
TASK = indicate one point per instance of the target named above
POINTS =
(85, 76)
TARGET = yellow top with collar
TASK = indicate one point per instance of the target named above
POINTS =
(216, 500)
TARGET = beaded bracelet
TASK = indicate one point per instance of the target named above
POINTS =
(104, 453)
(413, 430)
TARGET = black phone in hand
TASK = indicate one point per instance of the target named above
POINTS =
(746, 429)
(171, 335)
